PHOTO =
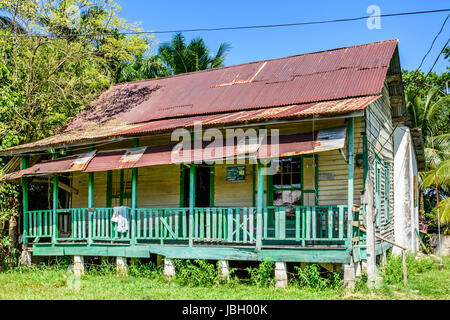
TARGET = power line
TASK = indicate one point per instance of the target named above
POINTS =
(238, 27)
(432, 44)
(437, 58)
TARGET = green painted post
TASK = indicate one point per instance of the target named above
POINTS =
(254, 186)
(365, 160)
(211, 185)
(350, 183)
(90, 203)
(182, 168)
(109, 189)
(192, 183)
(134, 177)
(24, 165)
(259, 205)
(55, 205)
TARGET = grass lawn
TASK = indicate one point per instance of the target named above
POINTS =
(52, 283)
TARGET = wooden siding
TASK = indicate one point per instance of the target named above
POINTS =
(159, 186)
(333, 165)
(381, 144)
(233, 193)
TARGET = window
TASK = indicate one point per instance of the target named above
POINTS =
(377, 189)
(119, 188)
(387, 192)
(294, 184)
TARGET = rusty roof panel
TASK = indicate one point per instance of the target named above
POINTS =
(66, 164)
(303, 143)
(105, 160)
(326, 108)
(130, 157)
(313, 77)
(286, 145)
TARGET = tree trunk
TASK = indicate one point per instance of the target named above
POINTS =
(421, 203)
(13, 234)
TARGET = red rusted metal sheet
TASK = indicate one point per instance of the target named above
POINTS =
(66, 164)
(303, 143)
(326, 108)
(321, 76)
(115, 159)
(197, 151)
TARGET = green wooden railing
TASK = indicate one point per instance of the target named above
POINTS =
(301, 225)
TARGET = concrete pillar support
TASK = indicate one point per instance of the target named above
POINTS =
(25, 258)
(121, 266)
(281, 278)
(169, 269)
(358, 269)
(349, 275)
(224, 269)
(78, 265)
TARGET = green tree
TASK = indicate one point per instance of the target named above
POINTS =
(152, 67)
(431, 115)
(180, 57)
(55, 69)
(428, 106)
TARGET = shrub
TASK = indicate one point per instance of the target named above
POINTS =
(145, 270)
(199, 273)
(393, 270)
(311, 278)
(263, 275)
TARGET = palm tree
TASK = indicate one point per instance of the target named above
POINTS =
(141, 69)
(431, 116)
(180, 57)
(440, 176)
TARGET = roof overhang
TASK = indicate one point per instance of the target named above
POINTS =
(260, 147)
(316, 110)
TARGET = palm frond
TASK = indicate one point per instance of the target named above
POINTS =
(444, 211)
(441, 176)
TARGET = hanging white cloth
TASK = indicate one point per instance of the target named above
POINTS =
(120, 217)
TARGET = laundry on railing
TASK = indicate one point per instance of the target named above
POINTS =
(120, 217)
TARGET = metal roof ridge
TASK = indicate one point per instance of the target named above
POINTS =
(254, 62)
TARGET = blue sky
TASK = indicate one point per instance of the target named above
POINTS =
(415, 33)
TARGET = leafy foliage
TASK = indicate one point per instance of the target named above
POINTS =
(392, 272)
(47, 78)
(180, 57)
(262, 276)
(428, 107)
(311, 278)
(199, 273)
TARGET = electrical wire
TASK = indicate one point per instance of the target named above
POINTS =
(434, 40)
(437, 58)
(234, 27)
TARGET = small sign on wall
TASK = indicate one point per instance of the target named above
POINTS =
(236, 173)
(326, 176)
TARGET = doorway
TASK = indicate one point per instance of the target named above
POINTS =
(202, 186)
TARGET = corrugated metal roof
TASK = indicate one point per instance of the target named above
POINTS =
(67, 164)
(322, 83)
(328, 75)
(326, 108)
(269, 147)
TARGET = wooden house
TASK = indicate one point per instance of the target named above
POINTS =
(337, 118)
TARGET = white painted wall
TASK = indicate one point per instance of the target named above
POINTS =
(406, 215)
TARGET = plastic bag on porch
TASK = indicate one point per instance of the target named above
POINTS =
(120, 217)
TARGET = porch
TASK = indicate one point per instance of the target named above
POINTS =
(291, 234)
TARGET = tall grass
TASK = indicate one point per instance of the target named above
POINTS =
(392, 272)
(311, 278)
(262, 276)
